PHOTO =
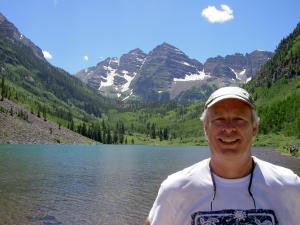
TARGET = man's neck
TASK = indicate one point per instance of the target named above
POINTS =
(231, 168)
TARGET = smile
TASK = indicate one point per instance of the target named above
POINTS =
(224, 141)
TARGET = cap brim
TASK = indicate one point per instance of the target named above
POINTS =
(222, 98)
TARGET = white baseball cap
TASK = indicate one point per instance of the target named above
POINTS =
(230, 93)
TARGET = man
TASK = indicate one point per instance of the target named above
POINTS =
(231, 187)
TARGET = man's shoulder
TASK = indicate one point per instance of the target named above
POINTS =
(273, 172)
(197, 174)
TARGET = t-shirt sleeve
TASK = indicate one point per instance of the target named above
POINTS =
(162, 212)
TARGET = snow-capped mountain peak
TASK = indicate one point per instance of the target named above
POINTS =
(166, 72)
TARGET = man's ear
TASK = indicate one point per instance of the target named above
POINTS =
(204, 130)
(255, 129)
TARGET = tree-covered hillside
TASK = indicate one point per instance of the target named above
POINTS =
(46, 90)
(285, 64)
(276, 89)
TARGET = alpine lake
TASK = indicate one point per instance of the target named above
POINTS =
(93, 184)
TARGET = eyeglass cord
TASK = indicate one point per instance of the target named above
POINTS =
(249, 185)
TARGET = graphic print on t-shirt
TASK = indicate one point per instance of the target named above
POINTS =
(235, 217)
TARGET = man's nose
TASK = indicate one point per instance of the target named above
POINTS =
(229, 126)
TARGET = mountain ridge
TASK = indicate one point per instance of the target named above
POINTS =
(166, 71)
(9, 31)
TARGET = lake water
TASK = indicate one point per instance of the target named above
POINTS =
(92, 184)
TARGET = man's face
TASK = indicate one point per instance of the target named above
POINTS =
(229, 128)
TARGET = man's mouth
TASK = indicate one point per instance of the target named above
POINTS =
(228, 141)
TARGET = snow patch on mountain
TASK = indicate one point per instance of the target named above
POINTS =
(248, 79)
(140, 60)
(239, 75)
(178, 51)
(192, 77)
(186, 64)
(131, 92)
(125, 87)
(243, 72)
(111, 73)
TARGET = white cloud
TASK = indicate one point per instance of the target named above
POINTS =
(214, 15)
(47, 55)
(85, 58)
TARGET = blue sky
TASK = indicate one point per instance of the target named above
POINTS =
(80, 33)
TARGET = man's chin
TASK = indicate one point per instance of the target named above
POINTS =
(230, 149)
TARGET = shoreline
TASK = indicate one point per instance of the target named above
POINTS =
(262, 147)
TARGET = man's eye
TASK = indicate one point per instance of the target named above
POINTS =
(219, 122)
(239, 122)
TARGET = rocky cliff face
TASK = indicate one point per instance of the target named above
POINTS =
(149, 76)
(238, 66)
(167, 73)
(163, 66)
(9, 31)
(113, 76)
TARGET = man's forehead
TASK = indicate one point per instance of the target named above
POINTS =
(233, 105)
(231, 101)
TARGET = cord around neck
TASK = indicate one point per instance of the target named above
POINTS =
(249, 185)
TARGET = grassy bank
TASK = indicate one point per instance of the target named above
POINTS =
(278, 142)
(274, 141)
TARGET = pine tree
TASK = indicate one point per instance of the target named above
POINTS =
(160, 135)
(72, 127)
(115, 138)
(148, 129)
(2, 88)
(44, 113)
(165, 134)
(153, 132)
(99, 135)
(108, 137)
(121, 138)
(83, 129)
(122, 128)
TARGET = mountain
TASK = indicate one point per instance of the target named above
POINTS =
(163, 66)
(285, 64)
(167, 73)
(10, 32)
(113, 76)
(237, 66)
(29, 79)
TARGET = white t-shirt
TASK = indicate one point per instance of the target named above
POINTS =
(185, 197)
